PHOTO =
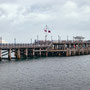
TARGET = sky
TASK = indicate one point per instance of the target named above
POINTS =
(25, 19)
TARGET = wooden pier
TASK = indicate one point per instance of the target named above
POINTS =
(56, 48)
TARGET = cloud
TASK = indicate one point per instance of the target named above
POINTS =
(69, 10)
(63, 16)
(19, 14)
(8, 1)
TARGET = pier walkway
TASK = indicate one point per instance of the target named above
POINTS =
(55, 48)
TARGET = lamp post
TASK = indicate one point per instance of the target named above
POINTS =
(37, 39)
(14, 40)
(59, 38)
(67, 37)
(73, 38)
(31, 40)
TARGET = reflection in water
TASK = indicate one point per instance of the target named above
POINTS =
(51, 73)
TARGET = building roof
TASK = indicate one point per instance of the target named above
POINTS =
(79, 37)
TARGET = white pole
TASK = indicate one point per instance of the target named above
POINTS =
(67, 37)
(14, 40)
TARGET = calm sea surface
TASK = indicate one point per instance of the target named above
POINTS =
(51, 73)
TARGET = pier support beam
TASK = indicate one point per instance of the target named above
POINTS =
(0, 54)
(46, 52)
(33, 53)
(67, 54)
(15, 54)
(26, 53)
(40, 52)
(59, 54)
(73, 52)
(82, 51)
(9, 54)
(18, 54)
(78, 51)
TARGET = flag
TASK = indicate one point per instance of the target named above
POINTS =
(49, 31)
(45, 30)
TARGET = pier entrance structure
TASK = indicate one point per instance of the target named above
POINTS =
(62, 48)
(79, 38)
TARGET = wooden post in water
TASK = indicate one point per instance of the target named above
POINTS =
(33, 53)
(46, 52)
(59, 54)
(15, 54)
(40, 52)
(0, 54)
(72, 52)
(78, 51)
(82, 51)
(18, 54)
(67, 54)
(26, 53)
(9, 54)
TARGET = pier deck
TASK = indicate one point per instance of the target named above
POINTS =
(66, 48)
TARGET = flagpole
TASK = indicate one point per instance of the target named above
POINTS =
(51, 39)
(31, 40)
(14, 40)
(37, 39)
(49, 33)
(58, 38)
(67, 37)
(73, 38)
(45, 30)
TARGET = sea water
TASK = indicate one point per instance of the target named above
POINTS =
(50, 73)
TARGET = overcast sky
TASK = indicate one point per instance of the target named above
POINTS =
(25, 19)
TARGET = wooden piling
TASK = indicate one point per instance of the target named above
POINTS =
(54, 49)
(40, 52)
(67, 54)
(78, 51)
(82, 51)
(26, 53)
(9, 54)
(0, 54)
(18, 54)
(59, 54)
(33, 53)
(73, 52)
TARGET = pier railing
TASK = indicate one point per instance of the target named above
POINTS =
(6, 46)
(67, 48)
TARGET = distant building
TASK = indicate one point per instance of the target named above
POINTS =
(79, 38)
(0, 39)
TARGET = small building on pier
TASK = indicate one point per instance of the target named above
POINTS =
(79, 38)
(0, 39)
